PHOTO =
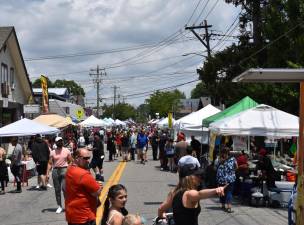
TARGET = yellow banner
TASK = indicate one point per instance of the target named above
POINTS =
(45, 95)
(211, 145)
(170, 120)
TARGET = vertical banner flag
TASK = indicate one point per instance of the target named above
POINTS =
(170, 120)
(45, 95)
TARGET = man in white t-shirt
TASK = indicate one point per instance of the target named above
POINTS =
(189, 160)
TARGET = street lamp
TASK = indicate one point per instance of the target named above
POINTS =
(194, 53)
(285, 76)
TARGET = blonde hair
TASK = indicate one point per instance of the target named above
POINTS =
(131, 219)
(185, 184)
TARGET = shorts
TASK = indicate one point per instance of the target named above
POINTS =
(96, 162)
(42, 168)
(169, 156)
(141, 150)
(124, 149)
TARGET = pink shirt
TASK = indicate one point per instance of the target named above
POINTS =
(60, 157)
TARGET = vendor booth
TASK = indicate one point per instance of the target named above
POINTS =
(266, 121)
(26, 127)
(54, 120)
(92, 121)
(191, 124)
(262, 120)
(164, 123)
(243, 104)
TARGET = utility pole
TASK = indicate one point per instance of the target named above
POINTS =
(98, 73)
(115, 89)
(206, 36)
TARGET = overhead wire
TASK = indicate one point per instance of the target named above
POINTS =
(198, 3)
(212, 8)
(154, 90)
(201, 13)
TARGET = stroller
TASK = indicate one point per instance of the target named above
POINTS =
(292, 206)
(168, 221)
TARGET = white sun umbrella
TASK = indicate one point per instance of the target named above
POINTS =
(26, 127)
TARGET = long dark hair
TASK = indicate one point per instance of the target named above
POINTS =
(113, 193)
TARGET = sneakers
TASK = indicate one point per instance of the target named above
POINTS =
(37, 187)
(59, 210)
(49, 186)
(16, 191)
(2, 192)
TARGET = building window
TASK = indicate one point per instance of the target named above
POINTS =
(12, 76)
(4, 73)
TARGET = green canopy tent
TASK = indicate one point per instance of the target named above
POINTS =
(242, 105)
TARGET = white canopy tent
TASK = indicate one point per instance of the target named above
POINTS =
(191, 124)
(92, 121)
(118, 122)
(109, 121)
(26, 127)
(262, 120)
(164, 123)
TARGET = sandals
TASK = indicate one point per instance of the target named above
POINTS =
(229, 210)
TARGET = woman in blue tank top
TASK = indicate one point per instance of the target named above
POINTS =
(185, 198)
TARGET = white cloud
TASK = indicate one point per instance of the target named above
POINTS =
(56, 27)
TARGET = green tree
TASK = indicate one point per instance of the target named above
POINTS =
(72, 86)
(37, 83)
(123, 111)
(164, 102)
(276, 41)
(143, 112)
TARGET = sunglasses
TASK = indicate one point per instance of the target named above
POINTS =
(85, 158)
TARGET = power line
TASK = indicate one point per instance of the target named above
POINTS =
(154, 90)
(198, 3)
(145, 52)
(101, 52)
(78, 54)
(271, 43)
(109, 66)
(213, 7)
(199, 16)
(227, 30)
(176, 75)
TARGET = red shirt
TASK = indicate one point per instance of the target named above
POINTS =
(118, 139)
(80, 205)
(241, 160)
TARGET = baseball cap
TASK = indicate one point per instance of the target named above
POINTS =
(58, 139)
(188, 170)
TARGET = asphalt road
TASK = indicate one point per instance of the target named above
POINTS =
(147, 188)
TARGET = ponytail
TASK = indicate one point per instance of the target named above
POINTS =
(124, 211)
(106, 211)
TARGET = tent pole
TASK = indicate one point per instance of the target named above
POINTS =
(300, 156)
(248, 144)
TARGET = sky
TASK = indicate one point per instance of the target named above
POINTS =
(142, 44)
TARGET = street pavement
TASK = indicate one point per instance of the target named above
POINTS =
(147, 188)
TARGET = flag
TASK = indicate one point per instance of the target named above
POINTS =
(170, 120)
(45, 95)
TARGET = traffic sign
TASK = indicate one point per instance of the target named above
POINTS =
(79, 113)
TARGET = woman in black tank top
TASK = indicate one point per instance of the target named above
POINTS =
(184, 199)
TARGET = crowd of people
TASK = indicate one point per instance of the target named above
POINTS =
(69, 159)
